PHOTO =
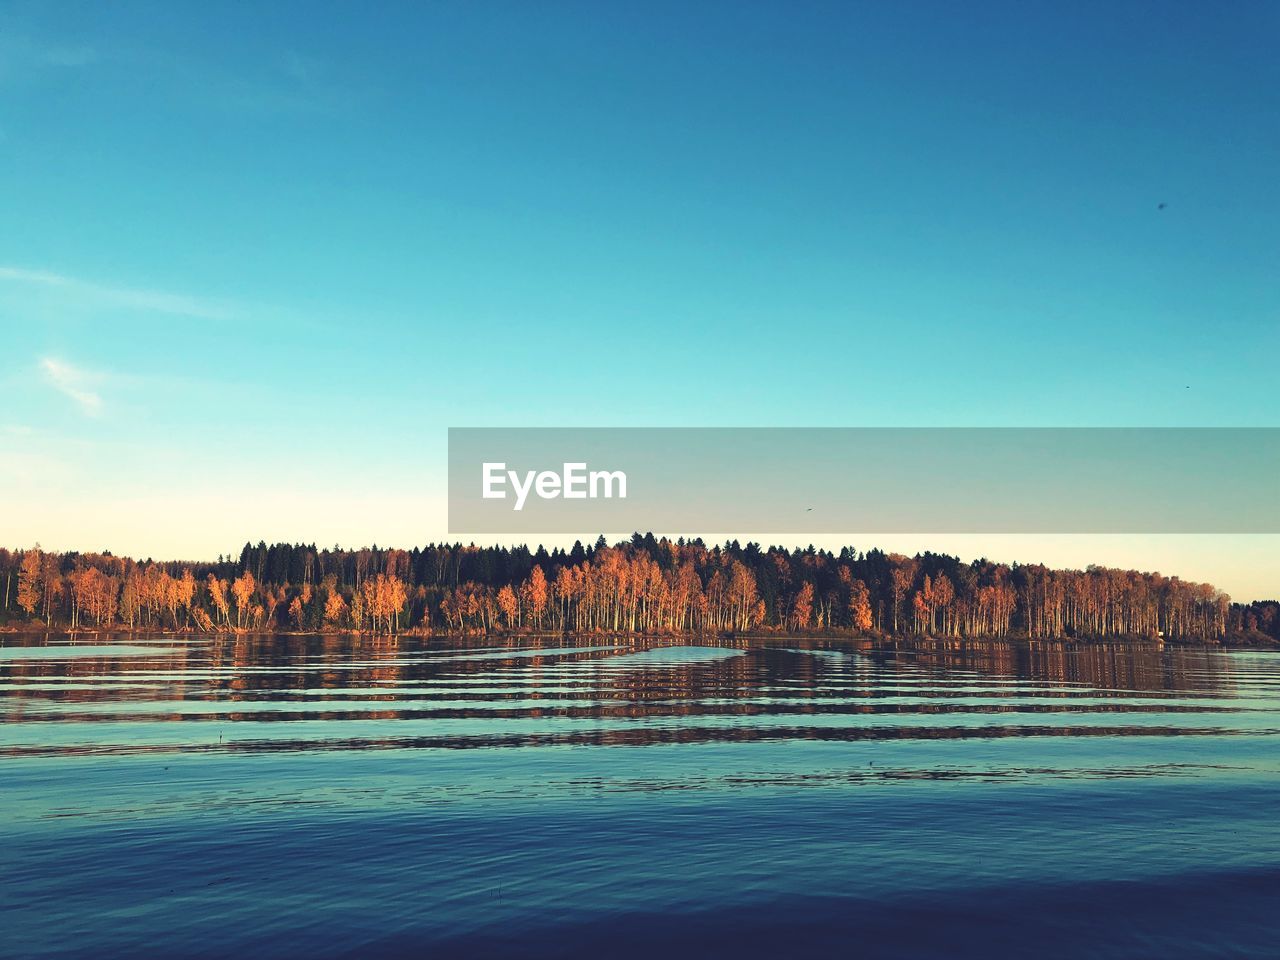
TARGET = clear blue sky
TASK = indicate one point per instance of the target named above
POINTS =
(285, 245)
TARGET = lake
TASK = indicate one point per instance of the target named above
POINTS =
(542, 797)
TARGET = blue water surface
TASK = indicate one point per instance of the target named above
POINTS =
(334, 797)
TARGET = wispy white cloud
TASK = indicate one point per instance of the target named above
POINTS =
(73, 382)
(157, 301)
(288, 82)
(22, 56)
(293, 85)
(67, 55)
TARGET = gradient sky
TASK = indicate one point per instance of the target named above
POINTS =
(254, 259)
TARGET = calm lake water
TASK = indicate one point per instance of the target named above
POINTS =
(327, 797)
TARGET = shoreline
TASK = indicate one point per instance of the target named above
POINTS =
(29, 631)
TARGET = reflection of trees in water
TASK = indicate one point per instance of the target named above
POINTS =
(1110, 667)
(577, 680)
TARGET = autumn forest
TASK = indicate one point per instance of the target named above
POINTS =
(642, 585)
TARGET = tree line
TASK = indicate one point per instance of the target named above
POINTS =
(641, 585)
